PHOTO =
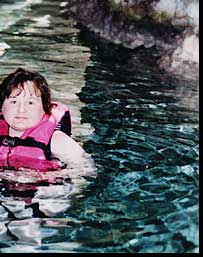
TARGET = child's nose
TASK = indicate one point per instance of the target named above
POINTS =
(21, 107)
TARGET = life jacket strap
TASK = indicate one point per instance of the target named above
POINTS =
(28, 141)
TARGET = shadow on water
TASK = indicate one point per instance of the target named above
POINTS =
(144, 143)
(134, 106)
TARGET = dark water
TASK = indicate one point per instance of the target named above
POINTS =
(139, 125)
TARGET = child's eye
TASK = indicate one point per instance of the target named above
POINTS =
(30, 102)
(13, 102)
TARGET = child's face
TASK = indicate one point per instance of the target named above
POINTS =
(24, 110)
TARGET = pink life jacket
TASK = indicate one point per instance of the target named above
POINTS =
(32, 149)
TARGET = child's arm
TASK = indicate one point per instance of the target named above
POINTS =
(66, 149)
(70, 152)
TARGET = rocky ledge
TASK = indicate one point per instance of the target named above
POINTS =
(172, 26)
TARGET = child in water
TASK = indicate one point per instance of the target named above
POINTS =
(34, 131)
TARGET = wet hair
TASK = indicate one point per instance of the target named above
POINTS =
(17, 79)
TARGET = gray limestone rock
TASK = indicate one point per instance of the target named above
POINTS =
(134, 23)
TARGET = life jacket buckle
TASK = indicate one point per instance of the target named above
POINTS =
(9, 141)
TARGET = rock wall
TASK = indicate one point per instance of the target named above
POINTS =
(170, 25)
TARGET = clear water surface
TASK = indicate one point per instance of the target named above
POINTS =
(139, 125)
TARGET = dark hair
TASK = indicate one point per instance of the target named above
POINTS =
(17, 80)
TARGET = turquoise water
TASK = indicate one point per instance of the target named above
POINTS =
(140, 127)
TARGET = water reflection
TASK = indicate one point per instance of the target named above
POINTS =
(145, 145)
